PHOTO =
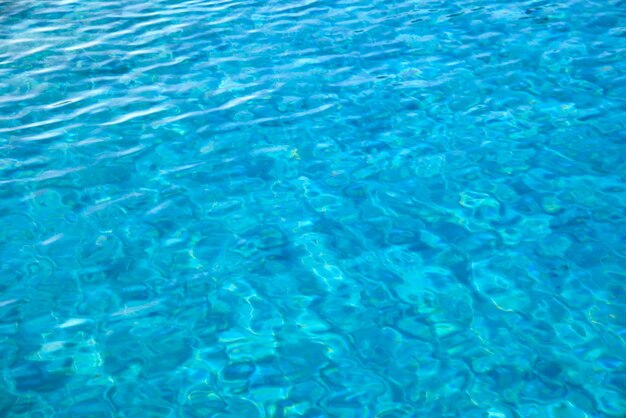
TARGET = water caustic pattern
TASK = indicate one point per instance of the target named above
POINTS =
(352, 208)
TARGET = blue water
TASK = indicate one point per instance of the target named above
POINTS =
(242, 208)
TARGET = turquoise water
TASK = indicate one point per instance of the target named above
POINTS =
(241, 208)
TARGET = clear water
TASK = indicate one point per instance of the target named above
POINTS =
(312, 208)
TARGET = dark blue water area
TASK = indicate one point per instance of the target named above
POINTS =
(242, 208)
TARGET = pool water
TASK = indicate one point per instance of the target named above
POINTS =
(241, 208)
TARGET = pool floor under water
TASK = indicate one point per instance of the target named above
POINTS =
(242, 208)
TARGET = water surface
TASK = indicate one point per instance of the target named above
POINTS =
(312, 208)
